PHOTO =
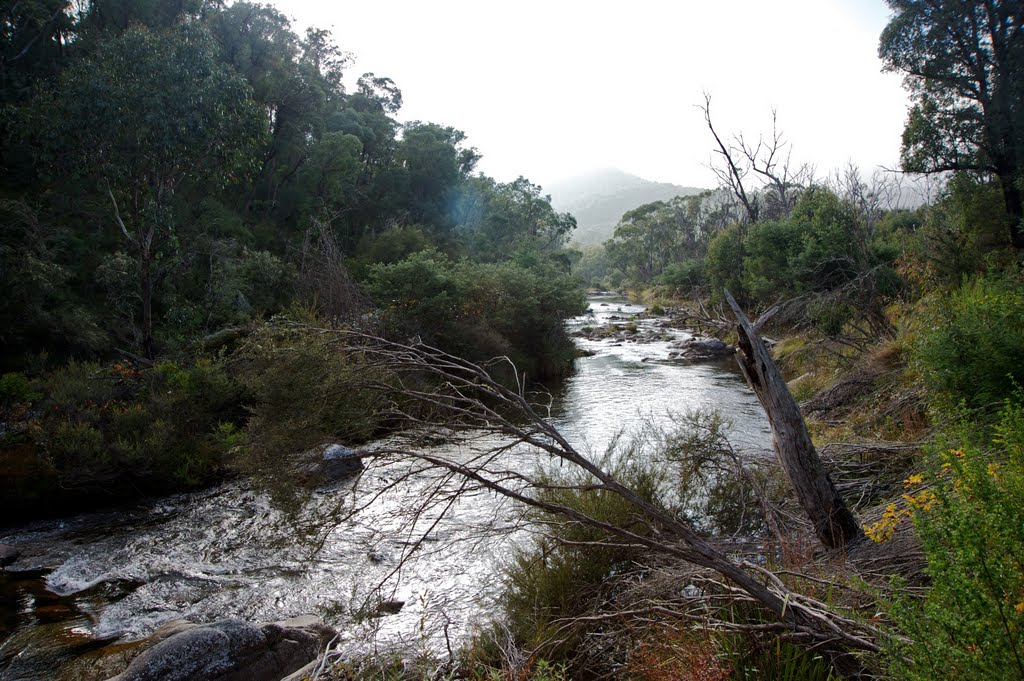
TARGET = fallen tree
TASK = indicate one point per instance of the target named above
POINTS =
(427, 389)
(834, 524)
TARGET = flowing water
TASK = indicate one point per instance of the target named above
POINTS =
(355, 552)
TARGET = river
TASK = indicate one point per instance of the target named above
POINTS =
(352, 553)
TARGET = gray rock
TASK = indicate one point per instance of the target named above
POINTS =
(330, 463)
(8, 554)
(340, 461)
(698, 349)
(230, 650)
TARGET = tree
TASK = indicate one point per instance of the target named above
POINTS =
(962, 61)
(502, 219)
(33, 37)
(768, 163)
(433, 162)
(651, 237)
(834, 524)
(143, 115)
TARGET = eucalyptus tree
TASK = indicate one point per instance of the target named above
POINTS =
(142, 115)
(962, 61)
(433, 164)
(650, 238)
(502, 219)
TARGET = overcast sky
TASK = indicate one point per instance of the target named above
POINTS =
(549, 89)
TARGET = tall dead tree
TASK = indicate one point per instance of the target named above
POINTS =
(777, 182)
(834, 524)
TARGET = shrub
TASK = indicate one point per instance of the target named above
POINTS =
(974, 348)
(100, 426)
(303, 393)
(829, 317)
(15, 388)
(724, 263)
(770, 267)
(752, 659)
(481, 311)
(567, 573)
(970, 519)
(683, 276)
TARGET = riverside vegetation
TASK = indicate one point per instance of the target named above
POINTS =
(183, 281)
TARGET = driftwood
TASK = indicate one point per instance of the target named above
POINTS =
(833, 522)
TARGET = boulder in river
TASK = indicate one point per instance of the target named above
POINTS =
(229, 650)
(699, 349)
(340, 461)
(8, 554)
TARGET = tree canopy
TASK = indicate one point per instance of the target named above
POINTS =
(962, 61)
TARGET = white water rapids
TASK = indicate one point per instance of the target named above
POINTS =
(228, 552)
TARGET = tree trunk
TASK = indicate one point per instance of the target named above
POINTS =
(1014, 209)
(146, 283)
(833, 522)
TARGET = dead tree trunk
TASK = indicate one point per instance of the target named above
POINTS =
(833, 522)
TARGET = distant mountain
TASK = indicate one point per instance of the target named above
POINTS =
(599, 199)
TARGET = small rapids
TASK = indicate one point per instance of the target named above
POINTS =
(354, 552)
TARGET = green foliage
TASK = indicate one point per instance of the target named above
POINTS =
(144, 114)
(15, 388)
(960, 64)
(685, 276)
(40, 305)
(973, 348)
(593, 267)
(303, 393)
(970, 519)
(966, 224)
(570, 572)
(394, 245)
(433, 164)
(725, 263)
(651, 237)
(500, 221)
(705, 487)
(164, 427)
(829, 317)
(146, 111)
(481, 311)
(752, 659)
(773, 251)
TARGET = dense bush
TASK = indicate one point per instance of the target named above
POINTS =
(685, 276)
(571, 571)
(967, 223)
(770, 268)
(99, 431)
(302, 393)
(481, 311)
(725, 263)
(102, 423)
(970, 517)
(973, 348)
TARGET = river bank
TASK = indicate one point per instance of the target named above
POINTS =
(228, 552)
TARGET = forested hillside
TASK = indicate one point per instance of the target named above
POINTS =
(599, 199)
(174, 174)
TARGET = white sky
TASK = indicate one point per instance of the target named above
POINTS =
(550, 89)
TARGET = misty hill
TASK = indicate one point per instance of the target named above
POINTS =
(600, 198)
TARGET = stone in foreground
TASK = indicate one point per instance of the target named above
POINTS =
(229, 650)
